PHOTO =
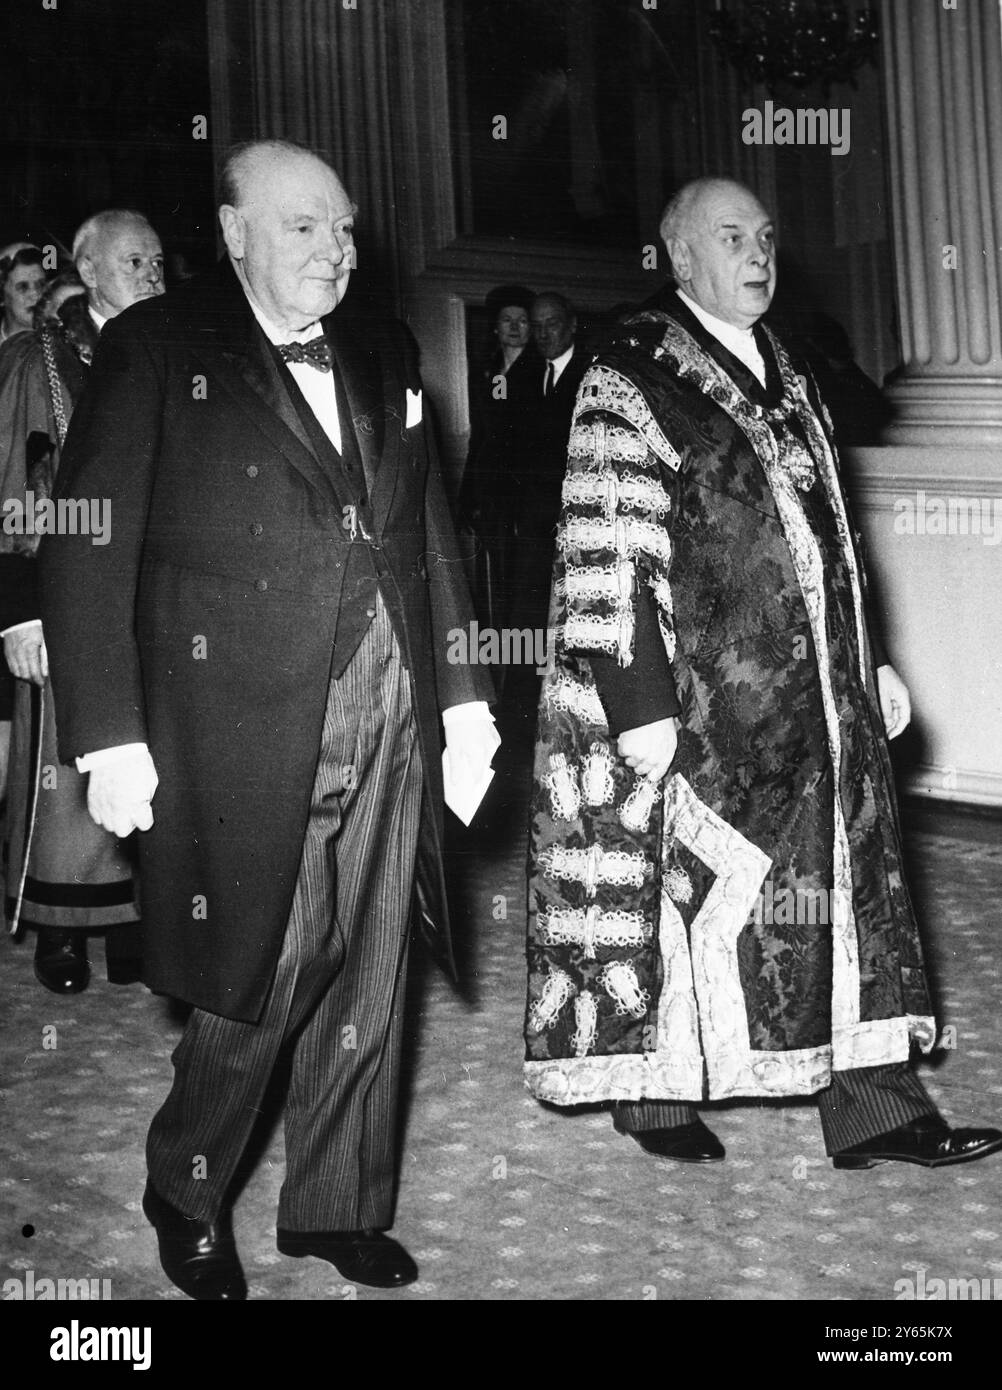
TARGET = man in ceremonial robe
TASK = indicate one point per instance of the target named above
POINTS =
(717, 906)
(66, 877)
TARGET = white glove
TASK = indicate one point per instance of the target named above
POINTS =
(119, 793)
(470, 745)
(24, 649)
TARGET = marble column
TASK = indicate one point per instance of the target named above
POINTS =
(942, 63)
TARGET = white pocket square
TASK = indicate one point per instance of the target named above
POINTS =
(413, 408)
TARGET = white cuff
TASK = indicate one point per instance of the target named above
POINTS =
(104, 757)
(18, 627)
(466, 713)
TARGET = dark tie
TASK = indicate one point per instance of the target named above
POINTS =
(317, 352)
(548, 385)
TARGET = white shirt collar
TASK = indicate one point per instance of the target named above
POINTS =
(739, 341)
(559, 363)
(99, 319)
(720, 328)
(317, 387)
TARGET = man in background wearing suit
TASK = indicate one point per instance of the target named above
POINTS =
(547, 404)
(265, 634)
(554, 328)
(65, 876)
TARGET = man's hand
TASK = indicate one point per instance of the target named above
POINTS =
(470, 745)
(26, 656)
(119, 794)
(649, 750)
(895, 702)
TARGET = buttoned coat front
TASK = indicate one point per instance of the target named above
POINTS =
(206, 626)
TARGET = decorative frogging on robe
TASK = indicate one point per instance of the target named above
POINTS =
(653, 970)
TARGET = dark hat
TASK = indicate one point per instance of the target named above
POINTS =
(503, 295)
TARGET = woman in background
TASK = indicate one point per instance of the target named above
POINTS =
(22, 279)
(22, 282)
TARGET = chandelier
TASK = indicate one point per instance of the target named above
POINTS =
(797, 42)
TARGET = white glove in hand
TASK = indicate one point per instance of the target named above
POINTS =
(895, 702)
(650, 748)
(24, 649)
(119, 794)
(471, 744)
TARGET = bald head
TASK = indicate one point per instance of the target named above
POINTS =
(721, 243)
(288, 224)
(119, 258)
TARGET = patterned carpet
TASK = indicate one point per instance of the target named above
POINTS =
(501, 1198)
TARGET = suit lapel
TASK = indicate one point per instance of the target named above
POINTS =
(231, 341)
(375, 403)
(229, 338)
(570, 379)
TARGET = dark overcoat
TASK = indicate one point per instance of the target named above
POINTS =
(206, 626)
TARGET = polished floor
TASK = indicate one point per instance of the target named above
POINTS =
(501, 1198)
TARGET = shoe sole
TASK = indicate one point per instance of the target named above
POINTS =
(679, 1158)
(59, 989)
(861, 1161)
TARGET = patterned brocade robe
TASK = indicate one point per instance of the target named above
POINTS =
(743, 928)
(63, 871)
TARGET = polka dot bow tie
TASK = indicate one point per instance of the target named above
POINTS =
(317, 352)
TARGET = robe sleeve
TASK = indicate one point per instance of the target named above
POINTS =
(877, 646)
(644, 691)
(619, 501)
(26, 428)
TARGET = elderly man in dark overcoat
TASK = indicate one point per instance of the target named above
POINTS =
(254, 672)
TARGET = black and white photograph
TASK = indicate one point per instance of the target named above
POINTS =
(501, 697)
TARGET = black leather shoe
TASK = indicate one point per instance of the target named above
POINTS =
(200, 1257)
(929, 1141)
(124, 970)
(368, 1257)
(692, 1143)
(61, 960)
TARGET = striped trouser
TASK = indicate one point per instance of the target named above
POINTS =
(336, 1000)
(857, 1105)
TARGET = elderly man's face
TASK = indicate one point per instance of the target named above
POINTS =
(126, 265)
(292, 237)
(725, 256)
(21, 292)
(552, 326)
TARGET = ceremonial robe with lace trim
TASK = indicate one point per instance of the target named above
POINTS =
(743, 928)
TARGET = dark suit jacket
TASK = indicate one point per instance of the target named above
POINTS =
(207, 625)
(548, 425)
